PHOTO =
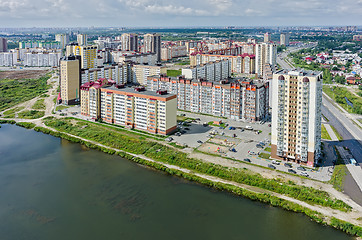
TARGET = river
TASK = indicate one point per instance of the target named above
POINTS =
(53, 189)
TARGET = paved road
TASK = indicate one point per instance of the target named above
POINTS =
(356, 171)
(336, 120)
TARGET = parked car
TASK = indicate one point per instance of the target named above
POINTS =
(221, 127)
(288, 165)
(271, 166)
(247, 160)
(301, 168)
(234, 135)
(197, 119)
(259, 146)
(232, 149)
(304, 174)
(275, 162)
(199, 141)
(249, 127)
(262, 143)
(231, 128)
(178, 134)
(169, 139)
(269, 125)
(292, 171)
(182, 114)
(187, 128)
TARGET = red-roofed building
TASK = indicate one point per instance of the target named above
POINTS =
(90, 97)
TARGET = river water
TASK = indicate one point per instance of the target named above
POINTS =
(53, 189)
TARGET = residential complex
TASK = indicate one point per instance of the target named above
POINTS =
(88, 54)
(267, 37)
(173, 50)
(63, 39)
(135, 57)
(284, 39)
(265, 53)
(140, 72)
(69, 79)
(152, 44)
(212, 71)
(242, 99)
(129, 42)
(296, 116)
(120, 73)
(82, 39)
(154, 112)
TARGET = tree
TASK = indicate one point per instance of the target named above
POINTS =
(340, 79)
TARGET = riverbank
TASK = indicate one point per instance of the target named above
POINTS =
(319, 214)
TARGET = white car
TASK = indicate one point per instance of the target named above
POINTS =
(275, 162)
(304, 174)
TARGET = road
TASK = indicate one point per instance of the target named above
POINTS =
(351, 134)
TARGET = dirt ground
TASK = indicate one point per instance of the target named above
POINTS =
(214, 149)
(22, 74)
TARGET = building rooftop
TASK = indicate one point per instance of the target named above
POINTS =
(139, 90)
(299, 72)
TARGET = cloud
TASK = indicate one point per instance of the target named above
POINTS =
(172, 12)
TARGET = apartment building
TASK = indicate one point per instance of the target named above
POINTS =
(7, 59)
(211, 71)
(69, 79)
(284, 39)
(63, 39)
(140, 72)
(88, 54)
(3, 45)
(91, 98)
(152, 44)
(42, 59)
(243, 63)
(241, 99)
(120, 73)
(170, 51)
(267, 37)
(135, 57)
(265, 53)
(154, 112)
(82, 39)
(296, 116)
(129, 42)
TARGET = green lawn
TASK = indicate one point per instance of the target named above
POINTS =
(39, 104)
(13, 110)
(31, 114)
(340, 138)
(61, 107)
(267, 149)
(325, 134)
(338, 94)
(339, 173)
(174, 73)
(14, 92)
(264, 155)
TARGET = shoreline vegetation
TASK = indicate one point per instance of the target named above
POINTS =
(130, 146)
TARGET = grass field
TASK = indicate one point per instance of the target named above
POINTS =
(174, 73)
(325, 134)
(340, 138)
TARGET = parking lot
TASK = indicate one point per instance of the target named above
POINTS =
(237, 144)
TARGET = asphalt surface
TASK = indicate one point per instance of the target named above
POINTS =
(348, 139)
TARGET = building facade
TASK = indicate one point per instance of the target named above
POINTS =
(284, 39)
(152, 44)
(154, 112)
(88, 54)
(296, 116)
(3, 45)
(82, 39)
(265, 53)
(212, 71)
(129, 42)
(141, 72)
(120, 73)
(238, 100)
(63, 39)
(70, 80)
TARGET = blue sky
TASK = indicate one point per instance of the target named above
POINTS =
(178, 13)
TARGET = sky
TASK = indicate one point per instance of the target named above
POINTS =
(178, 13)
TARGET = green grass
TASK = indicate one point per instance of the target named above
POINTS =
(264, 155)
(166, 154)
(325, 134)
(325, 118)
(338, 94)
(14, 92)
(339, 173)
(39, 104)
(174, 73)
(183, 63)
(360, 120)
(26, 125)
(13, 110)
(340, 138)
(267, 149)
(31, 114)
(61, 107)
(211, 123)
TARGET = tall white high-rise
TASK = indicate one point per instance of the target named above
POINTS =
(82, 39)
(129, 42)
(63, 39)
(296, 116)
(284, 39)
(152, 44)
(265, 53)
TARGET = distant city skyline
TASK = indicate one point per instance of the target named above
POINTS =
(173, 13)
